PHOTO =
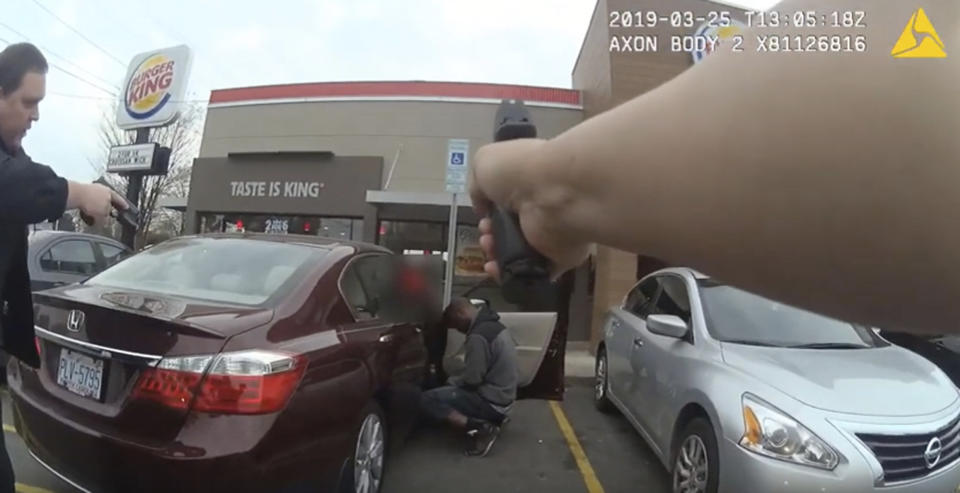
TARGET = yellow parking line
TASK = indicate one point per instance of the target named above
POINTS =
(9, 428)
(26, 488)
(586, 470)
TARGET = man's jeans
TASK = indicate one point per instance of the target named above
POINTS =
(437, 403)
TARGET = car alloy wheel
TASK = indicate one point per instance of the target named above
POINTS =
(368, 458)
(600, 386)
(692, 469)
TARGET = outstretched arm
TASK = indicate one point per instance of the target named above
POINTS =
(828, 181)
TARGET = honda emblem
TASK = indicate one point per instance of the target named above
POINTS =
(75, 320)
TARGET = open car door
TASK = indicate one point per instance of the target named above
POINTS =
(539, 332)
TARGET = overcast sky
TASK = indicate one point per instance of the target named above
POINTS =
(243, 43)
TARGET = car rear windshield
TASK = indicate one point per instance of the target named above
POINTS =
(734, 315)
(229, 270)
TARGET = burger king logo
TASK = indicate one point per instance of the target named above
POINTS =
(149, 88)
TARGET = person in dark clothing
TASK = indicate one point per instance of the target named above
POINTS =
(422, 298)
(29, 193)
(480, 399)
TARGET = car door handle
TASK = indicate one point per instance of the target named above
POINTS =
(638, 343)
(417, 330)
(386, 338)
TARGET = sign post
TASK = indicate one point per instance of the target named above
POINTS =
(458, 154)
(134, 185)
(152, 95)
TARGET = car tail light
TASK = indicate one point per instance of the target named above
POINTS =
(250, 382)
(173, 381)
(243, 382)
(36, 340)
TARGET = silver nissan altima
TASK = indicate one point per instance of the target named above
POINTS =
(738, 393)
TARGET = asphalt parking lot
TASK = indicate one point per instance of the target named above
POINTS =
(532, 454)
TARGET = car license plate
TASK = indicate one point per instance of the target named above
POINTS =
(80, 374)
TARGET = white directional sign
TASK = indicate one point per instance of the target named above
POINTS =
(135, 157)
(458, 155)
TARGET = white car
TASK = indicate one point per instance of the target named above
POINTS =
(737, 393)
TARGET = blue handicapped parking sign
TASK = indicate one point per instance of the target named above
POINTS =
(456, 158)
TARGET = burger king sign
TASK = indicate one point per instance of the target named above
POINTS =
(155, 84)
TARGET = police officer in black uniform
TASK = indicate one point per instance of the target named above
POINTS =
(29, 193)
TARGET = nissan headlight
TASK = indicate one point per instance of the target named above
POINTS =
(770, 432)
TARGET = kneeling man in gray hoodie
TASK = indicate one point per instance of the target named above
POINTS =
(479, 400)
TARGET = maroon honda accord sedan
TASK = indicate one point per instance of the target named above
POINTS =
(230, 362)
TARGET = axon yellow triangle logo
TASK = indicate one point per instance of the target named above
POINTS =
(919, 39)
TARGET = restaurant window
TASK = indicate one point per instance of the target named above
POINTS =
(408, 236)
(345, 228)
(430, 239)
(469, 278)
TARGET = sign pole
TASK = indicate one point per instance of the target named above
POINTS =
(156, 81)
(451, 251)
(458, 157)
(134, 185)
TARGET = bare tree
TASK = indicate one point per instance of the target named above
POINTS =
(183, 139)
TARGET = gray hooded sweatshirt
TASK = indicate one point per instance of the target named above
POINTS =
(491, 361)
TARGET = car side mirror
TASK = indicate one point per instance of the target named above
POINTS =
(667, 325)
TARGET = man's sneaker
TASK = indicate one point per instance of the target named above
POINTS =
(482, 439)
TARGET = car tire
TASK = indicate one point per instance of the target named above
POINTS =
(365, 467)
(601, 385)
(696, 459)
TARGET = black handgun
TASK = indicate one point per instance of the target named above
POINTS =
(129, 217)
(523, 270)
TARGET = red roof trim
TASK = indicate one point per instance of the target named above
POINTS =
(392, 88)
